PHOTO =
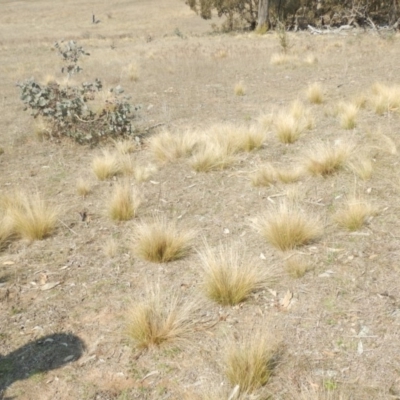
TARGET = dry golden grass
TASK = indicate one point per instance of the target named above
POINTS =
(168, 147)
(264, 176)
(229, 277)
(7, 230)
(124, 203)
(289, 175)
(287, 227)
(287, 128)
(125, 146)
(385, 98)
(282, 59)
(362, 167)
(247, 138)
(315, 93)
(32, 217)
(143, 173)
(159, 319)
(290, 124)
(297, 266)
(354, 214)
(83, 187)
(106, 166)
(348, 116)
(325, 159)
(240, 89)
(161, 241)
(212, 155)
(40, 128)
(249, 364)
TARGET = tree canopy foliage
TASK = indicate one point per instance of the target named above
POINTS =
(243, 14)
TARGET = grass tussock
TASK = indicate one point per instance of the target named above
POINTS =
(106, 166)
(291, 123)
(325, 159)
(362, 167)
(211, 156)
(348, 116)
(32, 217)
(125, 146)
(297, 266)
(240, 89)
(289, 175)
(230, 277)
(133, 72)
(7, 230)
(124, 203)
(159, 319)
(282, 59)
(385, 98)
(354, 214)
(315, 93)
(287, 227)
(266, 175)
(249, 364)
(247, 139)
(162, 241)
(83, 187)
(265, 120)
(167, 147)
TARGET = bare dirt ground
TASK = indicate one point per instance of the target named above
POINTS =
(340, 333)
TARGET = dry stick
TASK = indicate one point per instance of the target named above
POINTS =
(67, 226)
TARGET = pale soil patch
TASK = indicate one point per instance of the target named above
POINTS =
(338, 324)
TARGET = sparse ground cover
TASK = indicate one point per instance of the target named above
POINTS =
(221, 186)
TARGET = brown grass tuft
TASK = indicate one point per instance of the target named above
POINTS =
(325, 159)
(362, 167)
(264, 176)
(354, 214)
(287, 128)
(159, 319)
(348, 116)
(249, 364)
(106, 166)
(229, 277)
(315, 93)
(32, 217)
(161, 241)
(385, 98)
(7, 230)
(124, 203)
(212, 155)
(297, 266)
(289, 175)
(287, 227)
(125, 146)
(167, 147)
(83, 187)
(240, 89)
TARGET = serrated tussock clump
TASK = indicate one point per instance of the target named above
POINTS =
(169, 147)
(31, 216)
(229, 275)
(287, 227)
(315, 93)
(250, 362)
(124, 203)
(161, 241)
(106, 166)
(160, 318)
(325, 158)
(353, 214)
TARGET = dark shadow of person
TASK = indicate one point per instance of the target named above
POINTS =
(42, 355)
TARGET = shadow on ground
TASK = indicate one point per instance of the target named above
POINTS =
(42, 355)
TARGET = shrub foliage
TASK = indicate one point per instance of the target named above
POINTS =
(66, 108)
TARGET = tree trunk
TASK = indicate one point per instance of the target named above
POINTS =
(263, 15)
